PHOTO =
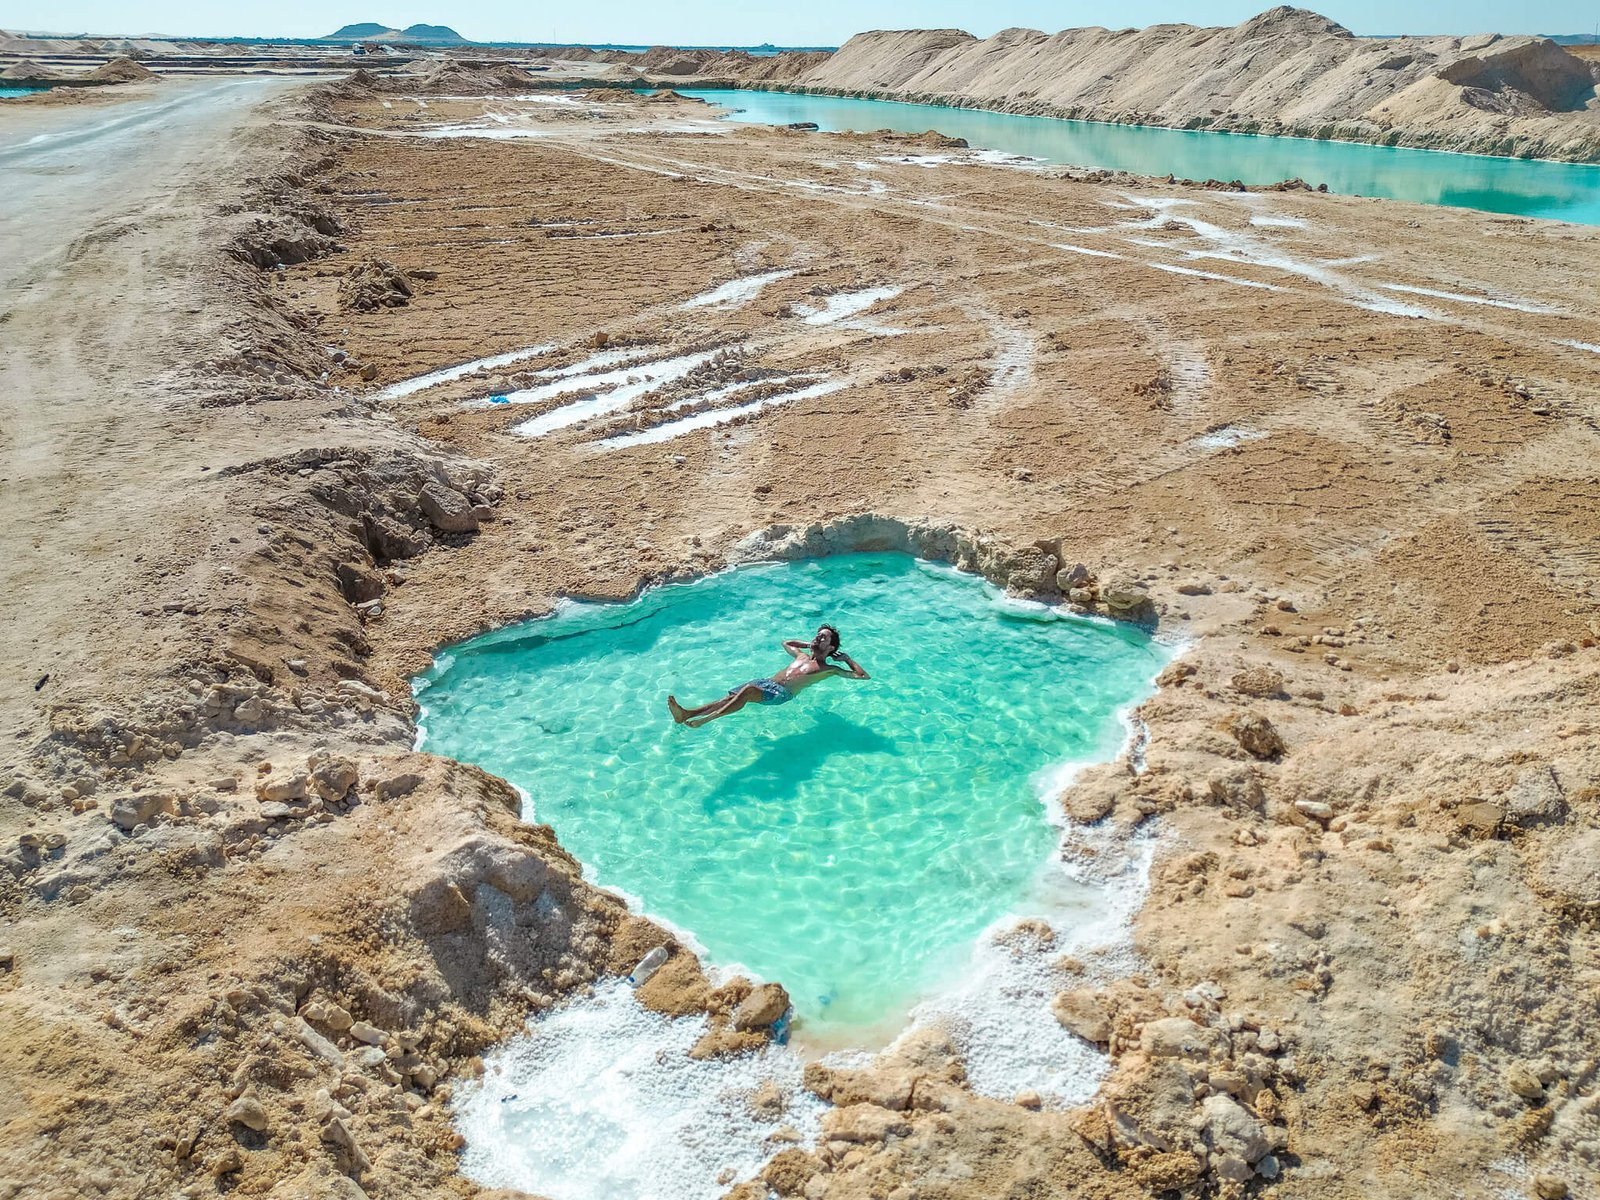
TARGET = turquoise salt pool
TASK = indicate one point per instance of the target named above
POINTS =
(6, 92)
(1564, 191)
(851, 843)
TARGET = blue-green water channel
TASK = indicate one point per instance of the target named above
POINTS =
(852, 843)
(1529, 188)
(6, 92)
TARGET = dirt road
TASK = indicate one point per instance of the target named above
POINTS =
(111, 215)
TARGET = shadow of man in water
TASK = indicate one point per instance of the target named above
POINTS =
(776, 773)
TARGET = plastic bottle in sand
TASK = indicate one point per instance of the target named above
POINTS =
(648, 966)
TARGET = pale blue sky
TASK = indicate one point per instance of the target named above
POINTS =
(814, 22)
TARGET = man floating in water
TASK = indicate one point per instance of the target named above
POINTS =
(810, 665)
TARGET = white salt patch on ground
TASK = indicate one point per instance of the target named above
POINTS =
(606, 393)
(600, 1099)
(1513, 305)
(1249, 283)
(736, 292)
(1071, 249)
(722, 393)
(845, 304)
(1267, 222)
(544, 98)
(1000, 1016)
(718, 416)
(406, 387)
(1239, 247)
(1226, 437)
(1589, 346)
(481, 131)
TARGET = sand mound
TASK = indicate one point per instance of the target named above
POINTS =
(26, 69)
(122, 70)
(477, 79)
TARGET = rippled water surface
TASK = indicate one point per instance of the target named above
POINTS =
(1565, 191)
(851, 843)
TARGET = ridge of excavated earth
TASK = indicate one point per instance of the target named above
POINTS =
(1342, 450)
(1287, 71)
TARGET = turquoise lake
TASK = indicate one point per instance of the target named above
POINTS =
(851, 843)
(1528, 188)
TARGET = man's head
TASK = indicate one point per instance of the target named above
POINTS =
(826, 642)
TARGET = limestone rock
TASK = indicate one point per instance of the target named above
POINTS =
(137, 809)
(1237, 787)
(1082, 1012)
(284, 789)
(1230, 1129)
(1536, 798)
(1179, 1037)
(762, 1009)
(1092, 798)
(863, 1124)
(247, 1111)
(1256, 735)
(1126, 598)
(400, 783)
(333, 776)
(370, 1034)
(1032, 572)
(447, 509)
(1067, 578)
(1260, 681)
(1524, 1084)
(1567, 875)
(789, 1171)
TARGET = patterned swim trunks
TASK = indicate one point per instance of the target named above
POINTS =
(772, 692)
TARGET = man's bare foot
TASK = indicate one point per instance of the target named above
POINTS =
(679, 712)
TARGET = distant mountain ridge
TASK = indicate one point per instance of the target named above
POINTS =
(371, 31)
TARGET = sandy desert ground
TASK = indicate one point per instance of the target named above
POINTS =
(1343, 449)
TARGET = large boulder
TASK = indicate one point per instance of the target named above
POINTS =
(447, 509)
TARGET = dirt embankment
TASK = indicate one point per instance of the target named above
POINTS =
(1287, 71)
(252, 942)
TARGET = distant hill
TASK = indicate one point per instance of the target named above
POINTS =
(371, 31)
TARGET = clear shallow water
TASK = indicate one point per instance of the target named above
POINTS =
(850, 844)
(1564, 191)
(19, 91)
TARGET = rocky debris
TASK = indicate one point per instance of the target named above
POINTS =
(285, 235)
(384, 494)
(1256, 735)
(1034, 571)
(374, 283)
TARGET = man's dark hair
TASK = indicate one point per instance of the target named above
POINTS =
(831, 630)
